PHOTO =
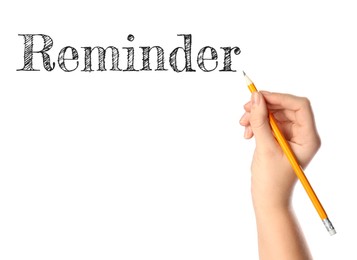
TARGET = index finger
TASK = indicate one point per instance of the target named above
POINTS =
(286, 101)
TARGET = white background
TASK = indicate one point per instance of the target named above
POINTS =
(153, 165)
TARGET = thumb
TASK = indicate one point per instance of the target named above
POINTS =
(259, 121)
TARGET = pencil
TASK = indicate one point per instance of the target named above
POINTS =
(295, 165)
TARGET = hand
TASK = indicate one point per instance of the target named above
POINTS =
(273, 178)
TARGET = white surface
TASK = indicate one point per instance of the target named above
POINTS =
(153, 165)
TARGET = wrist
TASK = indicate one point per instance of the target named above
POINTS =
(272, 189)
(268, 207)
(266, 199)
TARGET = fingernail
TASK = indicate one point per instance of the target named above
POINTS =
(242, 120)
(255, 98)
(246, 132)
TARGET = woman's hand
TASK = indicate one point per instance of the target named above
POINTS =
(273, 178)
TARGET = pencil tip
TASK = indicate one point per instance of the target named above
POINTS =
(243, 72)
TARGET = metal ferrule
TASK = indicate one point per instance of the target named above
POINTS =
(329, 226)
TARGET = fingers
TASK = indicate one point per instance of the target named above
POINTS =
(285, 101)
(291, 108)
(247, 106)
(293, 114)
(248, 133)
(244, 121)
(259, 121)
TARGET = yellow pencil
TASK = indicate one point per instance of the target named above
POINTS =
(295, 165)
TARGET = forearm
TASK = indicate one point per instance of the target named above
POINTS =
(273, 178)
(279, 235)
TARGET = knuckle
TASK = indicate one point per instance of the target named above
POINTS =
(257, 123)
(305, 102)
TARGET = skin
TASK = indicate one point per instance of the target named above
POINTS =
(273, 179)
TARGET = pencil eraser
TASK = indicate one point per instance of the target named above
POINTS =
(332, 232)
